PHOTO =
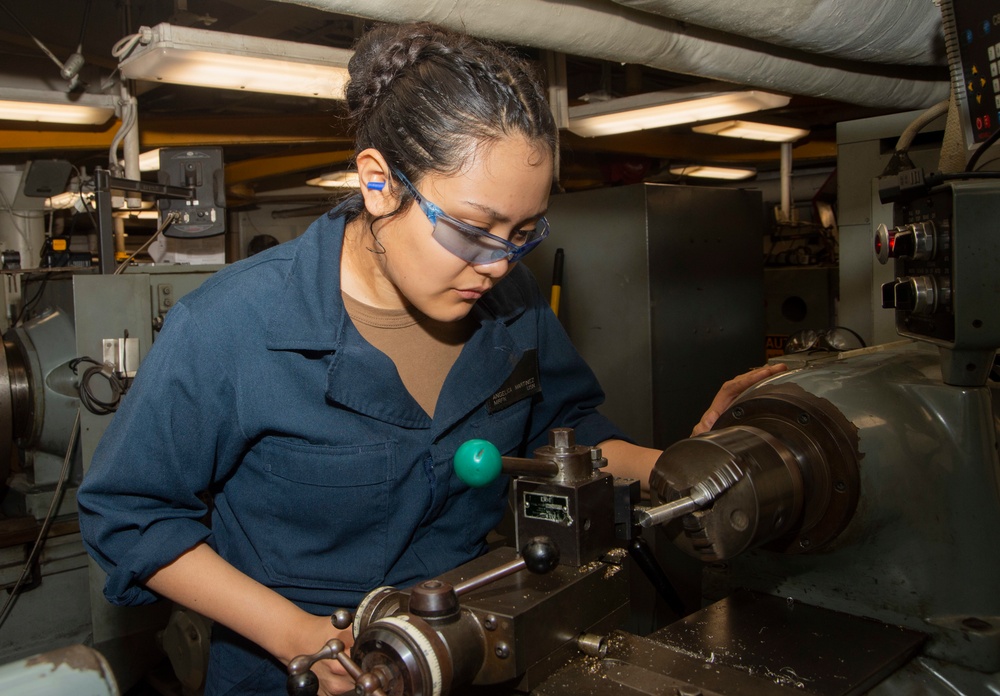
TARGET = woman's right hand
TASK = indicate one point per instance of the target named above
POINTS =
(312, 634)
(203, 581)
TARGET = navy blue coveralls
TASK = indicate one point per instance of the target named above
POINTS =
(327, 478)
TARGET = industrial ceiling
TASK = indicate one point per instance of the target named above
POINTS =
(838, 59)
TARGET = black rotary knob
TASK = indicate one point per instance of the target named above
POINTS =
(540, 555)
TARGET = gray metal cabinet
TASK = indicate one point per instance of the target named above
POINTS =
(662, 294)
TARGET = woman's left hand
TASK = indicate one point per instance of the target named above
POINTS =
(732, 389)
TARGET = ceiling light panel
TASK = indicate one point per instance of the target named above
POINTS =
(55, 107)
(669, 108)
(197, 57)
(707, 172)
(753, 131)
(342, 179)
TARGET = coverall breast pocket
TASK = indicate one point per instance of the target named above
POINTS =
(506, 429)
(331, 506)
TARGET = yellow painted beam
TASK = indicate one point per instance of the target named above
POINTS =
(178, 132)
(242, 130)
(694, 147)
(816, 149)
(288, 163)
(15, 137)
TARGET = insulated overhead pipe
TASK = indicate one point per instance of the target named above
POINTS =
(606, 30)
(894, 32)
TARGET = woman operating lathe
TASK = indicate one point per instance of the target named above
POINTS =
(316, 392)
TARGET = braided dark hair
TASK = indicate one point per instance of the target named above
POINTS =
(427, 98)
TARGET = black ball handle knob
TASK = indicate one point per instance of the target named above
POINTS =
(540, 555)
(303, 684)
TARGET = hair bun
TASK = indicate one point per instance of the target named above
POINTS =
(425, 97)
(385, 53)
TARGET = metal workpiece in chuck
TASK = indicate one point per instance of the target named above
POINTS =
(799, 484)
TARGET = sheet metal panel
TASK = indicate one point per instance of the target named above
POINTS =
(662, 295)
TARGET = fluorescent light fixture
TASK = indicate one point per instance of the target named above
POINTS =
(185, 56)
(706, 172)
(753, 131)
(149, 161)
(55, 107)
(336, 180)
(659, 109)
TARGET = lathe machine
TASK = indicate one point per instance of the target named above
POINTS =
(847, 512)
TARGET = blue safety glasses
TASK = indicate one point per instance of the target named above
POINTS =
(474, 244)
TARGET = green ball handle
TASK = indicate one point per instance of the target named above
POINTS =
(477, 463)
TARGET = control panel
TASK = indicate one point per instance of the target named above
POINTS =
(972, 30)
(920, 243)
(945, 243)
(200, 169)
